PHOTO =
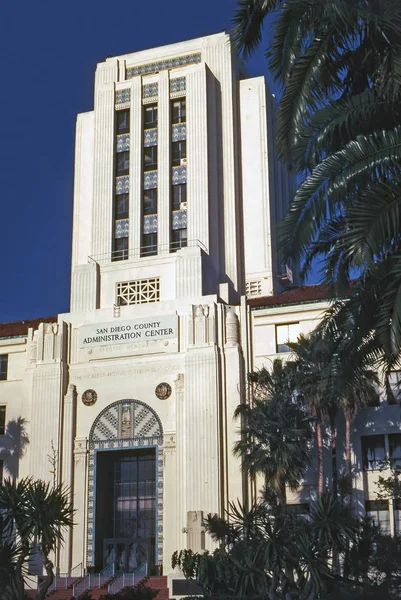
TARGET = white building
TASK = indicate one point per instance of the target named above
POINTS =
(175, 202)
(177, 193)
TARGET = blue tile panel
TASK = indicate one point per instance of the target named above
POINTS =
(123, 142)
(122, 184)
(179, 219)
(150, 224)
(150, 137)
(181, 61)
(123, 96)
(122, 228)
(150, 90)
(178, 132)
(149, 180)
(179, 175)
(178, 85)
(107, 434)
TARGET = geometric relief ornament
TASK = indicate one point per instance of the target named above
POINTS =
(123, 425)
(178, 175)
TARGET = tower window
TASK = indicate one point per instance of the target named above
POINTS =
(150, 202)
(2, 420)
(149, 244)
(179, 151)
(150, 116)
(122, 121)
(179, 195)
(121, 206)
(3, 366)
(150, 158)
(122, 163)
(120, 249)
(178, 111)
(178, 239)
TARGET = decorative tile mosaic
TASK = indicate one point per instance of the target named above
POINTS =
(178, 85)
(150, 224)
(150, 90)
(123, 96)
(122, 184)
(178, 175)
(122, 228)
(108, 432)
(179, 132)
(149, 180)
(123, 142)
(150, 137)
(171, 63)
(179, 219)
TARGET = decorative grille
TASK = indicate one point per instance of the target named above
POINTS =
(138, 291)
(189, 59)
(253, 288)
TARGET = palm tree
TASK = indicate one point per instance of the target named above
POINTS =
(275, 432)
(34, 515)
(337, 64)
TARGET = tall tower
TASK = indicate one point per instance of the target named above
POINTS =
(174, 174)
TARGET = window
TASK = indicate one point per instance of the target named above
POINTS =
(122, 121)
(122, 163)
(149, 244)
(121, 206)
(120, 249)
(373, 451)
(179, 195)
(178, 239)
(286, 333)
(139, 291)
(394, 440)
(178, 111)
(397, 516)
(378, 510)
(150, 116)
(150, 158)
(394, 380)
(3, 366)
(2, 420)
(179, 151)
(150, 202)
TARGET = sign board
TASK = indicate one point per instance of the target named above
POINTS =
(125, 332)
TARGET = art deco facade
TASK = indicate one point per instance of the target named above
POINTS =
(132, 393)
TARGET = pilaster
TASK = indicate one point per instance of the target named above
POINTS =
(136, 159)
(164, 163)
(170, 521)
(85, 293)
(80, 499)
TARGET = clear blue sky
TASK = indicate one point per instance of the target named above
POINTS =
(49, 51)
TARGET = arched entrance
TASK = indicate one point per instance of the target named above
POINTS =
(125, 487)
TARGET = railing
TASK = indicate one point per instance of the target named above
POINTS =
(64, 580)
(128, 579)
(93, 580)
(146, 251)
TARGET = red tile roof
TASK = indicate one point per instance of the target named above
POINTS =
(303, 293)
(20, 328)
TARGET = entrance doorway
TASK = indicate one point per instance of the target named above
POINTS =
(125, 508)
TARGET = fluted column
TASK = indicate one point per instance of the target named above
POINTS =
(136, 159)
(197, 153)
(67, 469)
(164, 163)
(103, 172)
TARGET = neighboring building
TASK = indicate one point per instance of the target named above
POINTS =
(375, 431)
(177, 193)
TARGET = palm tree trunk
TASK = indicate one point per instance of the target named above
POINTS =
(333, 441)
(320, 467)
(348, 466)
(282, 494)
